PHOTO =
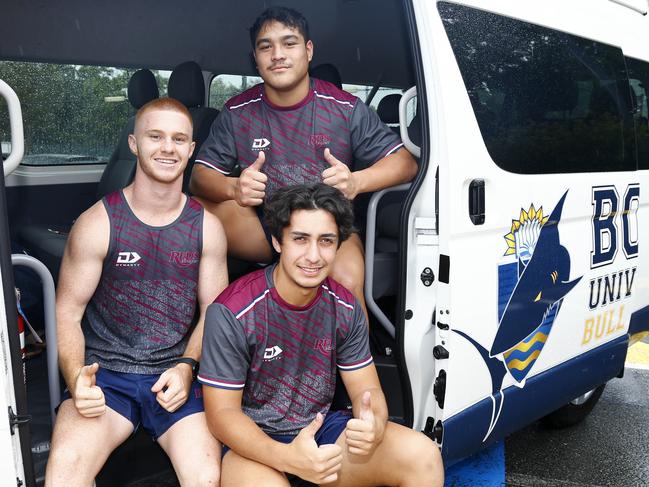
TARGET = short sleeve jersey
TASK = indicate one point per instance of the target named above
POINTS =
(142, 312)
(294, 138)
(284, 358)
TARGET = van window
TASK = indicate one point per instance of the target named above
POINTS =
(72, 114)
(639, 81)
(545, 101)
(225, 86)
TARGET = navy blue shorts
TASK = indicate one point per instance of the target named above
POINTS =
(332, 427)
(130, 395)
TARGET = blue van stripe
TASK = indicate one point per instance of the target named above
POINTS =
(639, 321)
(464, 432)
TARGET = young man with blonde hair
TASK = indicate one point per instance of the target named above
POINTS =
(137, 266)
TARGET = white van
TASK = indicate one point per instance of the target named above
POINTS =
(505, 283)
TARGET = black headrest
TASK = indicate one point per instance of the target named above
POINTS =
(327, 72)
(186, 85)
(388, 108)
(142, 88)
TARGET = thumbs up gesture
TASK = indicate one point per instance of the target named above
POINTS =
(88, 397)
(250, 189)
(339, 176)
(362, 433)
(313, 463)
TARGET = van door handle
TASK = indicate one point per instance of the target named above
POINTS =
(476, 201)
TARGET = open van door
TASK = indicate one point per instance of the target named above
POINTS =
(537, 235)
(15, 455)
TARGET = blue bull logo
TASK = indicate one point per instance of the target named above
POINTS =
(532, 283)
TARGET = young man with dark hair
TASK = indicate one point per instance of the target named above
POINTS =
(293, 129)
(273, 341)
(135, 266)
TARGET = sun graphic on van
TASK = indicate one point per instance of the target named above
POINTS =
(525, 232)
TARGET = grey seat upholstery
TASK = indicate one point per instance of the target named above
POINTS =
(47, 242)
(186, 85)
(388, 111)
(120, 170)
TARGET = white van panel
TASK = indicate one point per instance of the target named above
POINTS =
(458, 148)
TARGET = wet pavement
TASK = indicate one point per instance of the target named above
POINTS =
(609, 448)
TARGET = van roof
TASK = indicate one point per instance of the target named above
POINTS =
(365, 42)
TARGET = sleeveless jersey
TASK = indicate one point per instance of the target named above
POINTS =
(143, 310)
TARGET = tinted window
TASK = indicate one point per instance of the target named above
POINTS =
(639, 80)
(71, 114)
(545, 101)
(225, 86)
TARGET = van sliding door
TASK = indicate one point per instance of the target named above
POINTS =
(538, 208)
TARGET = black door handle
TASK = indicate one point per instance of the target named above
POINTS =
(476, 201)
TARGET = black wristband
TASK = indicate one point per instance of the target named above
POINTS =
(192, 363)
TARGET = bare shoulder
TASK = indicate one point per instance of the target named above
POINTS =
(213, 232)
(91, 231)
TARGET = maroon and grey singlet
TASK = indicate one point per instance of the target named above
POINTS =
(283, 357)
(294, 138)
(142, 312)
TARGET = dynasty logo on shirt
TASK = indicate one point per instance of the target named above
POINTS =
(260, 144)
(127, 259)
(272, 353)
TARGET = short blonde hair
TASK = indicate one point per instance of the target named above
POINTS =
(169, 104)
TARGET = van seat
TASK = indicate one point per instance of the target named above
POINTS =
(186, 84)
(45, 241)
(327, 72)
(388, 111)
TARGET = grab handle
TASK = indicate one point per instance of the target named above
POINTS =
(16, 126)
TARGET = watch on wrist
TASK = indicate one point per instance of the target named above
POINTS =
(192, 363)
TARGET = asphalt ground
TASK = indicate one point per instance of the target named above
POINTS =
(609, 448)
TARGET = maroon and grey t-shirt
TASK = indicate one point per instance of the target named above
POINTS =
(142, 312)
(284, 358)
(294, 138)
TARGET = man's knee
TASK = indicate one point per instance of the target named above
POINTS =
(422, 457)
(350, 273)
(65, 460)
(205, 476)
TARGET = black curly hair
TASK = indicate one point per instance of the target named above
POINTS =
(318, 196)
(286, 16)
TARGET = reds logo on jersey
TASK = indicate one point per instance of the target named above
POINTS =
(183, 259)
(323, 345)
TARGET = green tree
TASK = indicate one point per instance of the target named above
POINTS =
(67, 109)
